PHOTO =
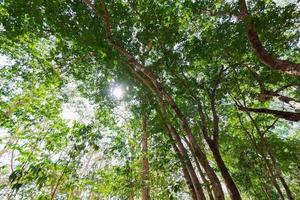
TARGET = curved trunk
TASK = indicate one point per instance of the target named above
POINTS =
(187, 176)
(262, 54)
(185, 170)
(212, 142)
(206, 182)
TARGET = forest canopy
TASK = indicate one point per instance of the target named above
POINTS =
(150, 99)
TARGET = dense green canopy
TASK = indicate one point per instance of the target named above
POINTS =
(149, 99)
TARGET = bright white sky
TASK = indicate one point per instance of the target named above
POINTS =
(278, 2)
(4, 61)
(284, 3)
(77, 108)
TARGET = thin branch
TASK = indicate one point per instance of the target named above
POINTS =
(212, 97)
(53, 192)
(287, 86)
(266, 95)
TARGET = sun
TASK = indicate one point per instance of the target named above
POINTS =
(118, 92)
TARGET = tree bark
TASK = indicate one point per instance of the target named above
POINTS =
(158, 89)
(216, 185)
(232, 189)
(185, 170)
(214, 147)
(194, 146)
(286, 187)
(196, 150)
(202, 175)
(290, 116)
(262, 54)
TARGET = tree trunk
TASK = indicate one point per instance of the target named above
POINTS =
(187, 163)
(232, 189)
(145, 162)
(214, 145)
(206, 182)
(216, 185)
(286, 187)
(186, 173)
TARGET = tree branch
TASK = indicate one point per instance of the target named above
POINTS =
(290, 116)
(262, 54)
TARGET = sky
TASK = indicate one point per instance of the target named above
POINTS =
(285, 2)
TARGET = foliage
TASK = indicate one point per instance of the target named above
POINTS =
(197, 52)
